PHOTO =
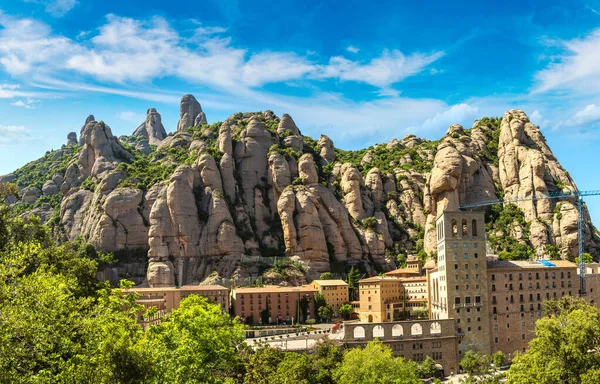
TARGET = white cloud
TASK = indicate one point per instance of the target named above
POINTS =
(56, 8)
(11, 133)
(28, 103)
(586, 116)
(27, 45)
(391, 67)
(576, 70)
(128, 50)
(457, 114)
(131, 116)
(352, 49)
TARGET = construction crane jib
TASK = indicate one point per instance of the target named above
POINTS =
(552, 195)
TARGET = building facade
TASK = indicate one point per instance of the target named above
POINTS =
(390, 298)
(517, 290)
(334, 291)
(283, 303)
(165, 299)
(458, 286)
(413, 340)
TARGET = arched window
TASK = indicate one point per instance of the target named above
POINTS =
(397, 331)
(416, 330)
(454, 228)
(378, 332)
(474, 227)
(359, 333)
(435, 328)
(464, 227)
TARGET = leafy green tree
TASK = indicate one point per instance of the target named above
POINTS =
(295, 368)
(48, 334)
(326, 356)
(473, 363)
(325, 312)
(261, 365)
(375, 365)
(498, 358)
(346, 310)
(320, 301)
(565, 349)
(326, 276)
(196, 343)
(427, 368)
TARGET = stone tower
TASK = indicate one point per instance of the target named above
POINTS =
(459, 285)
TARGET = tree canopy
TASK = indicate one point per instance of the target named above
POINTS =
(566, 347)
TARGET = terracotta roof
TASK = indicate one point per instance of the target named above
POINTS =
(274, 289)
(529, 264)
(330, 283)
(376, 279)
(402, 271)
(188, 288)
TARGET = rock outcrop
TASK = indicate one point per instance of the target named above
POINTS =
(190, 113)
(152, 128)
(71, 139)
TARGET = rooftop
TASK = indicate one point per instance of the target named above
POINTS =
(529, 264)
(274, 289)
(329, 283)
(188, 288)
(401, 271)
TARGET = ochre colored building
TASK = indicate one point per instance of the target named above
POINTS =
(334, 291)
(386, 298)
(165, 299)
(283, 303)
(517, 290)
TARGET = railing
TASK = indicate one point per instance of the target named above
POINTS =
(460, 334)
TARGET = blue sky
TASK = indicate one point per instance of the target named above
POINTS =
(361, 72)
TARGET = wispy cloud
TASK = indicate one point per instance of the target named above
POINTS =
(128, 50)
(391, 67)
(576, 69)
(131, 116)
(56, 8)
(27, 104)
(352, 49)
(12, 133)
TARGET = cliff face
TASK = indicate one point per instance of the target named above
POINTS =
(210, 197)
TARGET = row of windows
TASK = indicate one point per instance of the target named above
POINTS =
(457, 300)
(537, 285)
(537, 275)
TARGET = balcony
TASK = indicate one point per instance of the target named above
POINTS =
(459, 305)
(468, 305)
(479, 304)
(460, 334)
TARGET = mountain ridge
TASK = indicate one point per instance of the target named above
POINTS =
(198, 198)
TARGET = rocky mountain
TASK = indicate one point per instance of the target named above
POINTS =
(222, 200)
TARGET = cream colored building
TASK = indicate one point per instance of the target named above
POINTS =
(458, 287)
(165, 299)
(334, 291)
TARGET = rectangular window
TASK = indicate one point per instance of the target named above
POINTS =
(466, 256)
(474, 245)
(465, 245)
